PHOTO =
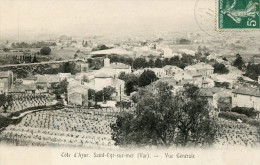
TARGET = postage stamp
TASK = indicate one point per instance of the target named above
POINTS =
(238, 14)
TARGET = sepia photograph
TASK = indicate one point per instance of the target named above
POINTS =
(128, 81)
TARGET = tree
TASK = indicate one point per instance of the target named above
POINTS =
(195, 125)
(6, 101)
(34, 59)
(158, 63)
(220, 68)
(238, 62)
(151, 63)
(139, 63)
(45, 51)
(6, 50)
(163, 119)
(146, 78)
(60, 89)
(108, 92)
(131, 81)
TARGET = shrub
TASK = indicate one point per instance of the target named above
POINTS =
(249, 112)
(45, 51)
(253, 122)
(232, 116)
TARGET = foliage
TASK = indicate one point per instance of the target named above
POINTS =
(249, 112)
(33, 45)
(4, 121)
(102, 95)
(158, 63)
(6, 50)
(108, 92)
(45, 51)
(60, 89)
(34, 59)
(100, 47)
(222, 84)
(163, 119)
(253, 71)
(220, 68)
(6, 101)
(146, 78)
(238, 62)
(232, 116)
(131, 82)
(183, 41)
(139, 63)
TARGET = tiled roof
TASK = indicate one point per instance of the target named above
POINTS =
(48, 79)
(247, 91)
(201, 66)
(209, 92)
(5, 74)
(22, 88)
(104, 73)
(205, 92)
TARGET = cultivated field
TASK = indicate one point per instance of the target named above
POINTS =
(67, 127)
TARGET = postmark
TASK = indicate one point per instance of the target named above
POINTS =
(238, 14)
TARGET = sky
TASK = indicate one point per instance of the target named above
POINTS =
(32, 18)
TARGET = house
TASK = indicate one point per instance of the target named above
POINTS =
(217, 97)
(183, 76)
(29, 80)
(47, 79)
(187, 51)
(45, 82)
(115, 68)
(63, 76)
(6, 80)
(201, 68)
(77, 94)
(246, 97)
(207, 82)
(105, 79)
(120, 67)
(24, 88)
(171, 70)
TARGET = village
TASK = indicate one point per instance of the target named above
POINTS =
(106, 83)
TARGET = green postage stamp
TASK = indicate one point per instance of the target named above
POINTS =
(238, 14)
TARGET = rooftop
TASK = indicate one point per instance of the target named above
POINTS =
(247, 91)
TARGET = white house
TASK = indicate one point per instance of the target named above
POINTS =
(183, 76)
(29, 80)
(6, 80)
(77, 94)
(246, 97)
(105, 79)
(201, 68)
(116, 68)
(171, 70)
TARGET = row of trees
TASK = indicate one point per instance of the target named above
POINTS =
(163, 119)
(142, 62)
(32, 45)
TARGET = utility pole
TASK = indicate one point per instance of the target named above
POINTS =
(120, 98)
